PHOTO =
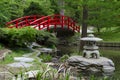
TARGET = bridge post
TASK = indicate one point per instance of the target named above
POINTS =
(48, 23)
(68, 23)
(78, 28)
(55, 27)
(35, 17)
(26, 21)
(38, 26)
(16, 24)
(74, 27)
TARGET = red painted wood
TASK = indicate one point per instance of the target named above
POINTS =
(42, 22)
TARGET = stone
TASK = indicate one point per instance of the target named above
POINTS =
(46, 50)
(5, 75)
(55, 60)
(23, 59)
(34, 44)
(91, 54)
(27, 55)
(20, 64)
(32, 74)
(3, 53)
(73, 78)
(102, 64)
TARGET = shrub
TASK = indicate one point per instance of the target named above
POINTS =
(46, 57)
(18, 37)
(46, 38)
(25, 36)
(64, 58)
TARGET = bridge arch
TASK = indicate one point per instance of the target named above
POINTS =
(45, 22)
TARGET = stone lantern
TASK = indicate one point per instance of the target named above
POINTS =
(90, 48)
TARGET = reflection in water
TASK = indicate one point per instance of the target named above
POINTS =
(109, 48)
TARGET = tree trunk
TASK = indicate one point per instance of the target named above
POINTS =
(61, 4)
(84, 25)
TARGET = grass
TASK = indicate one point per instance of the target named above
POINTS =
(15, 53)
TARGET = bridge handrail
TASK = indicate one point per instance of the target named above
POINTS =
(37, 20)
(22, 18)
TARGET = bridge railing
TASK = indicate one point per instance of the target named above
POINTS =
(46, 21)
(23, 21)
(42, 22)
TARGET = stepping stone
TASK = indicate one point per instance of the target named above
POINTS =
(20, 64)
(23, 59)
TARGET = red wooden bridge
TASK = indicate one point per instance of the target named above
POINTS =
(44, 22)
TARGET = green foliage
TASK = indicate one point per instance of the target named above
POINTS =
(25, 36)
(1, 46)
(54, 6)
(46, 57)
(64, 58)
(8, 59)
(10, 10)
(110, 36)
(18, 37)
(46, 38)
(35, 8)
(15, 53)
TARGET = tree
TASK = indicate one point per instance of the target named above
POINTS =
(54, 6)
(10, 10)
(39, 8)
(103, 14)
(34, 9)
(4, 13)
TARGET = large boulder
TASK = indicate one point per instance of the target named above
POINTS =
(102, 65)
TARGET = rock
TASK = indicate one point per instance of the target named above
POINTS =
(50, 63)
(3, 53)
(108, 69)
(20, 64)
(73, 78)
(103, 65)
(5, 75)
(23, 59)
(55, 60)
(34, 44)
(32, 74)
(27, 55)
(49, 50)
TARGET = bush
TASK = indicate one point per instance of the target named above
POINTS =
(64, 58)
(25, 36)
(46, 57)
(18, 37)
(46, 38)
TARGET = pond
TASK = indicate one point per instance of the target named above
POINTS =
(115, 56)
